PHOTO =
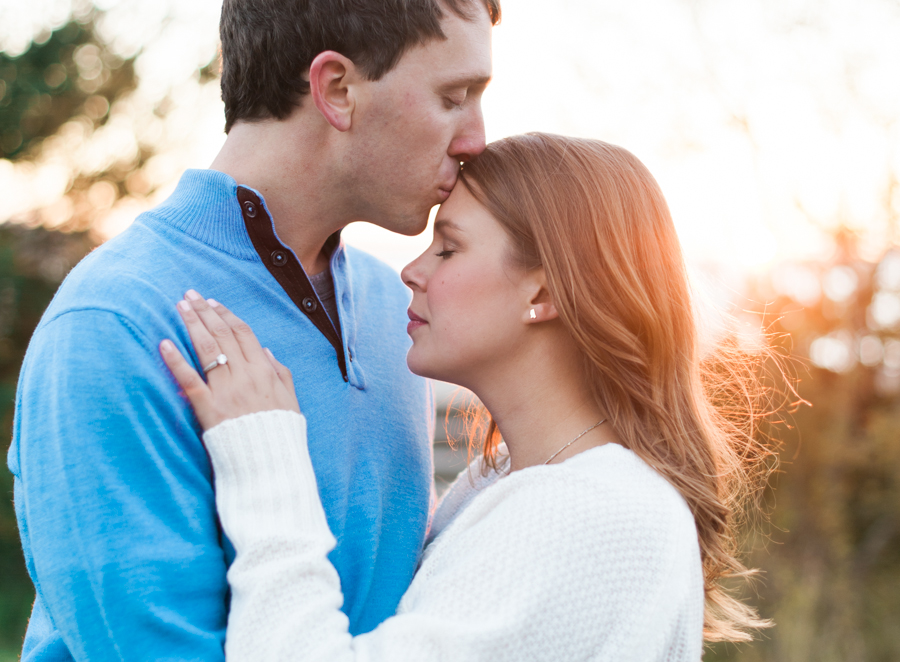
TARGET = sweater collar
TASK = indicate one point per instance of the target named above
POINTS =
(205, 206)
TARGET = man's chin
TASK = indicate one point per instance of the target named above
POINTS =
(409, 227)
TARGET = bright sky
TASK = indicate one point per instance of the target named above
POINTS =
(763, 120)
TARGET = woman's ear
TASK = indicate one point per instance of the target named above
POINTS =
(330, 77)
(542, 312)
(540, 306)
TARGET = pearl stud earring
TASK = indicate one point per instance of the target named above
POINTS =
(533, 314)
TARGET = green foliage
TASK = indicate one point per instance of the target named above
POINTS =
(69, 74)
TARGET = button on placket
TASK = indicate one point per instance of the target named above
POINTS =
(279, 258)
(249, 209)
(310, 305)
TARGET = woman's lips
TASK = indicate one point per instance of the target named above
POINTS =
(414, 321)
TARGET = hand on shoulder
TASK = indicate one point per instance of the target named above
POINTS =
(242, 376)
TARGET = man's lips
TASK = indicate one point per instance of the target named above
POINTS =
(446, 188)
(414, 321)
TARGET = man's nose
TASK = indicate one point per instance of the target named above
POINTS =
(470, 141)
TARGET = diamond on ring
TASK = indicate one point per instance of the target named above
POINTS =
(221, 359)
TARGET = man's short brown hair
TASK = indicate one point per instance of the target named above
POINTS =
(268, 45)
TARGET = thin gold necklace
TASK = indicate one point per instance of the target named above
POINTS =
(595, 425)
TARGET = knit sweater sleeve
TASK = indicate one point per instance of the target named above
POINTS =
(540, 567)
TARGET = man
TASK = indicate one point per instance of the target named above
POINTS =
(335, 113)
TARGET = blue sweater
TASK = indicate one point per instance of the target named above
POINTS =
(113, 491)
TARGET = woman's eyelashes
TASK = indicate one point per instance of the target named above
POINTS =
(444, 254)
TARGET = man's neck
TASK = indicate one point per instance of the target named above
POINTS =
(284, 164)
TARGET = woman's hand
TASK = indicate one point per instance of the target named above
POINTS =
(251, 380)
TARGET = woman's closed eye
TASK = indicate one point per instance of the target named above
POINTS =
(445, 254)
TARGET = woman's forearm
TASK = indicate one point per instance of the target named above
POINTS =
(286, 595)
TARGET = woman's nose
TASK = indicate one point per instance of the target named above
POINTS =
(413, 274)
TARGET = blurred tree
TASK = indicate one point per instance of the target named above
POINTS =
(68, 103)
(831, 560)
(70, 77)
(70, 74)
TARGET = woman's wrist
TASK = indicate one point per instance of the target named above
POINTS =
(265, 484)
(253, 420)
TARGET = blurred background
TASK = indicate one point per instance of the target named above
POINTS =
(773, 127)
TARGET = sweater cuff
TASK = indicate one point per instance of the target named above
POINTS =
(265, 484)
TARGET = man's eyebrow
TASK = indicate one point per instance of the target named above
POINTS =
(467, 80)
(445, 223)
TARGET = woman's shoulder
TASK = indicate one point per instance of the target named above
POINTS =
(603, 492)
(594, 557)
(611, 487)
(606, 495)
(601, 521)
(615, 472)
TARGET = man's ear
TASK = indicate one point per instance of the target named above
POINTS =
(330, 75)
(540, 306)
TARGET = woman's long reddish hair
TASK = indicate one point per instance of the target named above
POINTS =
(595, 219)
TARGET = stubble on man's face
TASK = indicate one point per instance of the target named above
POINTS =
(418, 122)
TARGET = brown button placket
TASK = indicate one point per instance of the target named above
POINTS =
(288, 271)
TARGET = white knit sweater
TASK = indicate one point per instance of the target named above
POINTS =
(595, 558)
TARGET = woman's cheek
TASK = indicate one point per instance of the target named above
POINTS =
(446, 293)
(464, 297)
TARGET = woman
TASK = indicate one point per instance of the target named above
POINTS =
(555, 290)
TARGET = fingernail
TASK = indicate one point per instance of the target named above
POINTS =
(166, 346)
(192, 295)
(213, 303)
(269, 352)
(184, 305)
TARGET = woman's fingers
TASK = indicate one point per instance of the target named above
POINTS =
(283, 373)
(249, 383)
(210, 335)
(242, 332)
(191, 383)
(260, 361)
